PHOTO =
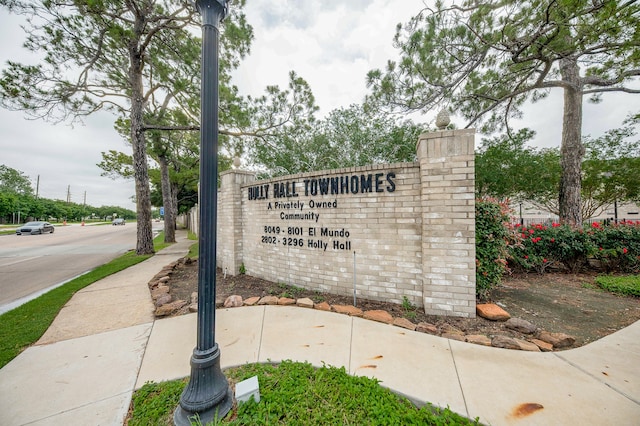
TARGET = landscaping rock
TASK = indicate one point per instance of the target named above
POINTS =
(492, 312)
(544, 346)
(268, 300)
(453, 336)
(379, 315)
(425, 327)
(512, 343)
(252, 301)
(163, 300)
(179, 304)
(193, 307)
(170, 308)
(348, 309)
(194, 297)
(164, 279)
(159, 291)
(450, 329)
(520, 325)
(558, 340)
(404, 323)
(304, 303)
(323, 306)
(233, 301)
(504, 342)
(527, 346)
(478, 339)
(286, 301)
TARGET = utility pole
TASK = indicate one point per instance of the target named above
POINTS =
(68, 194)
(37, 186)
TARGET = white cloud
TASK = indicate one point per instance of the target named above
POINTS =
(332, 47)
(65, 158)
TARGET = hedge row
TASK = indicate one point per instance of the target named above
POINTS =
(502, 246)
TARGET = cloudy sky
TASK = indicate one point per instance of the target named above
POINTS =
(332, 44)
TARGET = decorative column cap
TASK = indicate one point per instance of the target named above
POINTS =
(442, 119)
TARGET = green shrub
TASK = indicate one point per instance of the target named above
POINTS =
(529, 248)
(194, 251)
(153, 403)
(540, 246)
(616, 247)
(492, 218)
(574, 247)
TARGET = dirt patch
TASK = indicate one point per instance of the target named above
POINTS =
(558, 303)
(566, 303)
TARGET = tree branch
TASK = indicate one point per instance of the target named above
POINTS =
(260, 133)
(611, 89)
(599, 81)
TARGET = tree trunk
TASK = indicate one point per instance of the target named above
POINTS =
(174, 203)
(572, 150)
(167, 201)
(144, 244)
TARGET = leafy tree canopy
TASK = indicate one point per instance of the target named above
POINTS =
(131, 57)
(485, 59)
(87, 50)
(507, 167)
(611, 165)
(347, 137)
(13, 181)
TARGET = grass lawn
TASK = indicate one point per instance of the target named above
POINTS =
(293, 393)
(627, 285)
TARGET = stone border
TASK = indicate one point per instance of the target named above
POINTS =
(540, 340)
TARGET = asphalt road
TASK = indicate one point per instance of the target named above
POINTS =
(30, 264)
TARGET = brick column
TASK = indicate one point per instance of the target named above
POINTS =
(230, 223)
(447, 174)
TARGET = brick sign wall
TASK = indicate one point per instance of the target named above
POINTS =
(395, 230)
(311, 229)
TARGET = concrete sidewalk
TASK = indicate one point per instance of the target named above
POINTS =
(598, 384)
(100, 348)
(83, 369)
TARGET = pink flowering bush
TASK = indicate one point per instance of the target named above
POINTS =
(612, 247)
(618, 246)
(528, 250)
(502, 246)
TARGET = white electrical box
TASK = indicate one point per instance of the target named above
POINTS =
(247, 389)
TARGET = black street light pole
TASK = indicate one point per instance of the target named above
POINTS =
(207, 394)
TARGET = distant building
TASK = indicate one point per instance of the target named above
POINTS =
(526, 213)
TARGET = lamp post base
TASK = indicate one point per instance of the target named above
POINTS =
(181, 417)
(207, 396)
